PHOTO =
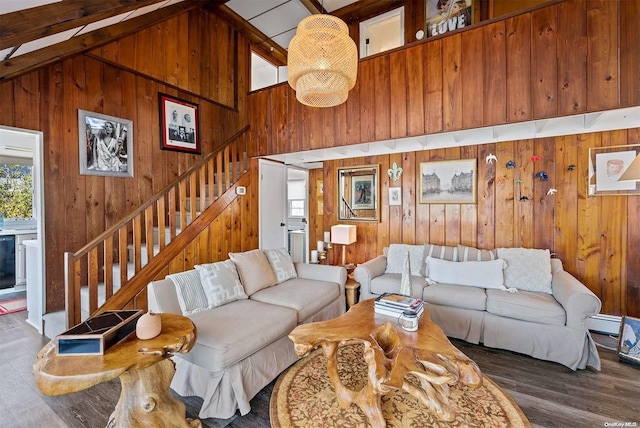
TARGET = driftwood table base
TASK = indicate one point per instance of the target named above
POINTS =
(143, 366)
(391, 354)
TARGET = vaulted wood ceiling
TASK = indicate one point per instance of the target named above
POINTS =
(23, 26)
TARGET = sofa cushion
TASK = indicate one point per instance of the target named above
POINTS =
(305, 296)
(439, 252)
(466, 254)
(220, 282)
(281, 263)
(189, 290)
(395, 258)
(459, 296)
(539, 308)
(476, 274)
(230, 333)
(390, 283)
(254, 269)
(527, 269)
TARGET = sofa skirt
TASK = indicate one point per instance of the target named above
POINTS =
(465, 324)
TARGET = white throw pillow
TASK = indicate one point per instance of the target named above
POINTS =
(281, 263)
(191, 297)
(395, 258)
(221, 283)
(527, 269)
(487, 274)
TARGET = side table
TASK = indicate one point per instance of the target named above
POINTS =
(351, 289)
(143, 366)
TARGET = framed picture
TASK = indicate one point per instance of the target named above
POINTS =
(106, 144)
(607, 168)
(363, 192)
(444, 16)
(178, 125)
(448, 182)
(629, 339)
(395, 196)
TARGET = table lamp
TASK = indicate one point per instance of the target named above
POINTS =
(343, 234)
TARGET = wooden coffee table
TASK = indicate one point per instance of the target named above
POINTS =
(144, 369)
(391, 354)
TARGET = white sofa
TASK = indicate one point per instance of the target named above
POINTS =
(243, 344)
(550, 324)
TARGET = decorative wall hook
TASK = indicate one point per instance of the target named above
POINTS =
(523, 198)
(511, 164)
(571, 167)
(552, 191)
(535, 158)
(542, 176)
(501, 179)
(490, 158)
(395, 172)
(517, 181)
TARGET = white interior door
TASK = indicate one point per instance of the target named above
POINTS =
(272, 199)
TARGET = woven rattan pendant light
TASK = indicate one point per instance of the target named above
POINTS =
(322, 61)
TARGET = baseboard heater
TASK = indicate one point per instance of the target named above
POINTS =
(601, 323)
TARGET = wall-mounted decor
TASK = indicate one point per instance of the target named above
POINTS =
(178, 125)
(395, 172)
(358, 193)
(610, 170)
(447, 15)
(448, 182)
(106, 144)
(395, 196)
(629, 339)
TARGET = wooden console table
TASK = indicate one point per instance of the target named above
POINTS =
(144, 369)
(391, 353)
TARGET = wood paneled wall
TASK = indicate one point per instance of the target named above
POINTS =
(570, 57)
(125, 83)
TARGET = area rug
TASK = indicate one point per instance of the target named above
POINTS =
(13, 305)
(303, 396)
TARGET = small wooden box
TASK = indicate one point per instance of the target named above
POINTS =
(97, 334)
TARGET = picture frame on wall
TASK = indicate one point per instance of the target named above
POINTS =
(363, 192)
(395, 196)
(105, 144)
(444, 16)
(448, 182)
(179, 126)
(608, 168)
(629, 340)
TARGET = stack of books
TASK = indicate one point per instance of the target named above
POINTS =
(394, 305)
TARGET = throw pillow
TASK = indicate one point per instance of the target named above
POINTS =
(254, 269)
(395, 258)
(191, 296)
(281, 263)
(527, 269)
(467, 254)
(439, 252)
(487, 274)
(221, 283)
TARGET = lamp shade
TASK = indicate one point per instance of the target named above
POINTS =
(322, 61)
(633, 172)
(344, 234)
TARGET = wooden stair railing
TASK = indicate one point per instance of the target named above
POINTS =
(201, 193)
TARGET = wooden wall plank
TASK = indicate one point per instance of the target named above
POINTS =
(629, 39)
(505, 201)
(415, 91)
(602, 65)
(494, 72)
(572, 47)
(472, 80)
(542, 203)
(398, 94)
(452, 83)
(518, 47)
(433, 87)
(382, 108)
(368, 87)
(408, 201)
(566, 203)
(544, 73)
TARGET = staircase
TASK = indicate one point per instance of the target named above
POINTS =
(112, 271)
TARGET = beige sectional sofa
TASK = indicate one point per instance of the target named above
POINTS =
(244, 308)
(517, 299)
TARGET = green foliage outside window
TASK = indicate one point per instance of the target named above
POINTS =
(16, 191)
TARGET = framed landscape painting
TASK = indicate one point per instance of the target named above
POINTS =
(106, 144)
(178, 125)
(448, 182)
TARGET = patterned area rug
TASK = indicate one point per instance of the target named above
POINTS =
(13, 305)
(304, 397)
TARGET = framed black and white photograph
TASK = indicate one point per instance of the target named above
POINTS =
(448, 182)
(612, 170)
(395, 196)
(106, 144)
(444, 16)
(178, 125)
(629, 339)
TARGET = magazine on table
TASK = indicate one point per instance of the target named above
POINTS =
(395, 313)
(398, 300)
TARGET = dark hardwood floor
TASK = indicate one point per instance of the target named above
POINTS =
(550, 395)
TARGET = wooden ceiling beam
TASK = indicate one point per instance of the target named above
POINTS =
(364, 9)
(269, 49)
(29, 24)
(313, 6)
(14, 67)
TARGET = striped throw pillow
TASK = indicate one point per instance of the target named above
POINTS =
(471, 254)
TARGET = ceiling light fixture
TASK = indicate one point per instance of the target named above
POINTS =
(322, 61)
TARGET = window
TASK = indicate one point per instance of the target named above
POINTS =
(296, 207)
(296, 195)
(382, 33)
(16, 190)
(263, 73)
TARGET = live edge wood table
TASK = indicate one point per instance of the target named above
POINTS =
(390, 353)
(144, 369)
